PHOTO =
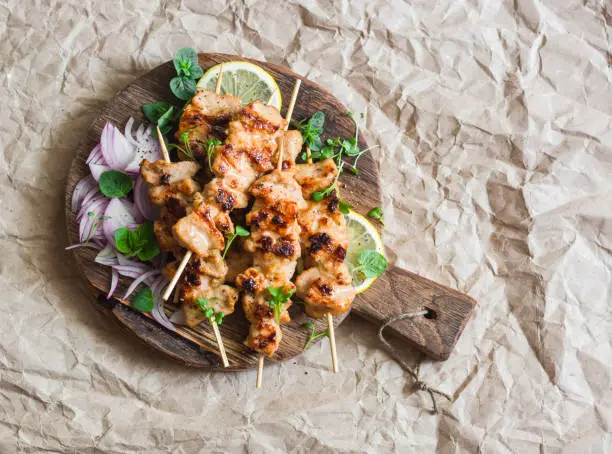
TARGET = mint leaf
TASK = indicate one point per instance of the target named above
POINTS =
(148, 251)
(141, 241)
(317, 120)
(143, 300)
(123, 241)
(371, 263)
(183, 87)
(115, 184)
(186, 63)
(154, 111)
(166, 121)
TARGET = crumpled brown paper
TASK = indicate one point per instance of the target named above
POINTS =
(495, 121)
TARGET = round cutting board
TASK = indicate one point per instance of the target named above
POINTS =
(197, 346)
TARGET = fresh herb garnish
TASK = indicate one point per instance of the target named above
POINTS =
(143, 300)
(203, 305)
(314, 335)
(210, 145)
(334, 148)
(186, 148)
(371, 263)
(94, 225)
(183, 88)
(115, 184)
(278, 299)
(162, 114)
(311, 130)
(239, 231)
(187, 69)
(377, 214)
(140, 242)
(344, 207)
(186, 63)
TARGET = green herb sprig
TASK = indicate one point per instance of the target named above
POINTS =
(311, 130)
(209, 312)
(186, 148)
(188, 69)
(143, 300)
(336, 148)
(183, 86)
(314, 335)
(371, 263)
(279, 297)
(238, 231)
(377, 214)
(162, 114)
(140, 242)
(210, 145)
(115, 184)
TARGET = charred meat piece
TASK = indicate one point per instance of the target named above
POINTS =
(203, 114)
(325, 285)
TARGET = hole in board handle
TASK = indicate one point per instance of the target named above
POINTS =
(431, 314)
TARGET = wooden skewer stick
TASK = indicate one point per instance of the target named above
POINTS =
(330, 318)
(279, 166)
(215, 328)
(332, 342)
(296, 89)
(188, 254)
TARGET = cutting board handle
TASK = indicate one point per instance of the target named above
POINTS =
(399, 291)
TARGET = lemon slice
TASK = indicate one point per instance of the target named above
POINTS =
(245, 81)
(363, 235)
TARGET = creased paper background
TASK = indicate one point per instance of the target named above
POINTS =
(495, 120)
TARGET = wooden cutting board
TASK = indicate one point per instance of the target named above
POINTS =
(397, 291)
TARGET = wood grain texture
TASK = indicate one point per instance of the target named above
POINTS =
(397, 291)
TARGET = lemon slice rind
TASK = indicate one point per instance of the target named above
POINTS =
(363, 235)
(244, 80)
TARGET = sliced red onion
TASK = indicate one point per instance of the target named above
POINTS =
(128, 271)
(97, 170)
(147, 148)
(86, 224)
(159, 314)
(89, 244)
(137, 282)
(127, 132)
(143, 201)
(95, 157)
(139, 133)
(178, 318)
(117, 151)
(113, 285)
(88, 198)
(128, 264)
(159, 285)
(82, 188)
(123, 260)
(120, 213)
(107, 256)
